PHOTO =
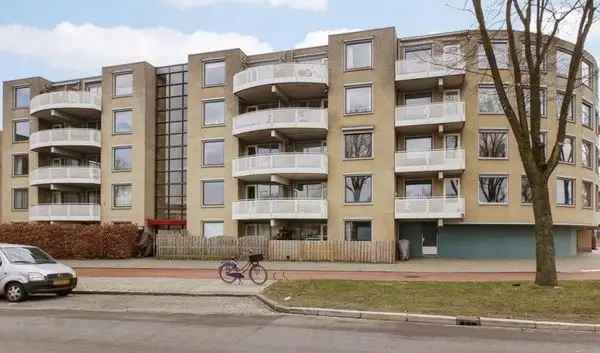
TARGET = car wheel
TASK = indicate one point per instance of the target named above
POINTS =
(63, 293)
(15, 292)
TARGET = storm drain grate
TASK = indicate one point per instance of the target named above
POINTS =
(468, 321)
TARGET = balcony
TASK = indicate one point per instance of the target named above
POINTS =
(75, 103)
(424, 72)
(294, 121)
(65, 212)
(295, 80)
(451, 114)
(430, 161)
(65, 138)
(430, 208)
(287, 165)
(65, 175)
(280, 209)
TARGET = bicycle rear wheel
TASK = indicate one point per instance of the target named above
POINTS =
(224, 271)
(258, 274)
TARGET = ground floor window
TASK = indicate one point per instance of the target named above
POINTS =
(212, 229)
(257, 229)
(302, 231)
(20, 199)
(358, 230)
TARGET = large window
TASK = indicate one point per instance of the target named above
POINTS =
(20, 130)
(358, 189)
(310, 190)
(489, 103)
(122, 158)
(213, 193)
(563, 61)
(265, 191)
(586, 76)
(587, 194)
(212, 229)
(121, 195)
(213, 153)
(358, 99)
(214, 73)
(418, 189)
(20, 164)
(565, 191)
(587, 116)
(20, 199)
(526, 191)
(358, 230)
(418, 144)
(358, 145)
(587, 158)
(567, 150)
(124, 84)
(123, 122)
(214, 112)
(500, 53)
(560, 97)
(493, 144)
(493, 189)
(358, 55)
(22, 97)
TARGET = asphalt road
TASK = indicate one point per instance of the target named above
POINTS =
(131, 324)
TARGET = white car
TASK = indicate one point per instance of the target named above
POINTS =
(26, 270)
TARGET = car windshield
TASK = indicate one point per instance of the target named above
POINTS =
(27, 255)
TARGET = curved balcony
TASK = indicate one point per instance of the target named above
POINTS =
(280, 209)
(65, 175)
(451, 114)
(430, 161)
(65, 212)
(430, 208)
(297, 80)
(65, 138)
(77, 103)
(424, 72)
(292, 120)
(287, 165)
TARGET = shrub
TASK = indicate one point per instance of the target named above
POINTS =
(77, 241)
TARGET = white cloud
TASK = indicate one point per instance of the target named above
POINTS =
(86, 48)
(312, 5)
(316, 38)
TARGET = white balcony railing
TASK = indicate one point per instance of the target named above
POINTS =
(281, 163)
(280, 73)
(65, 99)
(65, 212)
(65, 175)
(432, 207)
(65, 137)
(434, 113)
(428, 67)
(430, 161)
(284, 118)
(280, 209)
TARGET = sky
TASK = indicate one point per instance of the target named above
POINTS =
(64, 39)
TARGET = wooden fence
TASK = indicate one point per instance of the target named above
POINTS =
(176, 246)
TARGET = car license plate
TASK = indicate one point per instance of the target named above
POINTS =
(61, 282)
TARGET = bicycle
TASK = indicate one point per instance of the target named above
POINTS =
(230, 270)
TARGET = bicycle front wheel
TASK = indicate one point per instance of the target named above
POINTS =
(224, 271)
(258, 274)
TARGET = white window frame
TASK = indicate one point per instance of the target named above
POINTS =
(493, 175)
(114, 120)
(209, 101)
(504, 130)
(113, 195)
(354, 86)
(355, 42)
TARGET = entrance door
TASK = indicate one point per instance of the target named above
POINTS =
(430, 239)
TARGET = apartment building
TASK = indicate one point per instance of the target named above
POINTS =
(371, 137)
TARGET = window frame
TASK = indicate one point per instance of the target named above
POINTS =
(585, 142)
(14, 199)
(346, 133)
(346, 221)
(212, 101)
(358, 86)
(205, 222)
(481, 54)
(116, 75)
(114, 159)
(204, 143)
(114, 188)
(114, 121)
(590, 195)
(590, 77)
(16, 90)
(371, 54)
(493, 175)
(571, 116)
(488, 86)
(584, 104)
(525, 203)
(14, 130)
(15, 156)
(212, 181)
(346, 202)
(209, 62)
(564, 51)
(489, 130)
(573, 150)
(573, 191)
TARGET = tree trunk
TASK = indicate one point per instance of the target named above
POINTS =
(544, 241)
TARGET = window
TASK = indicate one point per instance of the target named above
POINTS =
(418, 144)
(214, 112)
(358, 145)
(121, 195)
(527, 96)
(586, 194)
(22, 97)
(586, 77)
(264, 191)
(20, 199)
(587, 158)
(358, 189)
(560, 97)
(358, 55)
(586, 114)
(94, 88)
(310, 191)
(500, 53)
(544, 142)
(566, 150)
(213, 193)
(493, 189)
(358, 100)
(563, 61)
(123, 84)
(212, 229)
(493, 144)
(214, 73)
(357, 230)
(20, 164)
(20, 130)
(418, 53)
(526, 191)
(122, 122)
(597, 198)
(565, 191)
(122, 158)
(525, 65)
(489, 103)
(418, 189)
(213, 153)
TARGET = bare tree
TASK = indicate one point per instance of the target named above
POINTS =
(540, 21)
